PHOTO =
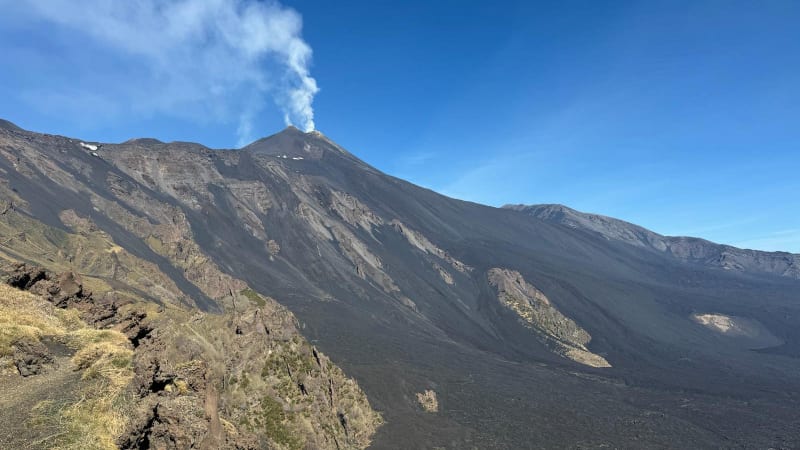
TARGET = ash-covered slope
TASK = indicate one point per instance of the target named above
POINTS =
(515, 331)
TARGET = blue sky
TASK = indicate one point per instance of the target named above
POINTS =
(683, 117)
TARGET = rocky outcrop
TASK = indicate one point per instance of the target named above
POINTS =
(31, 357)
(419, 241)
(267, 388)
(366, 264)
(745, 331)
(536, 311)
(428, 401)
(61, 290)
(244, 379)
(353, 211)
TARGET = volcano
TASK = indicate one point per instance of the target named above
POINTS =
(467, 326)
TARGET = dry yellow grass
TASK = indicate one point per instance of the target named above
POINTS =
(103, 356)
(25, 316)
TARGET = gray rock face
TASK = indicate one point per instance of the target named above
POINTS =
(687, 249)
(390, 280)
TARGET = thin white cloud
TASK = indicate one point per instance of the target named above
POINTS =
(188, 57)
(776, 241)
(715, 227)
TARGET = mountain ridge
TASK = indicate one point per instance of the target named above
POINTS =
(267, 145)
(535, 208)
(682, 247)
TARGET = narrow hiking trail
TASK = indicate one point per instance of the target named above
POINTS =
(31, 407)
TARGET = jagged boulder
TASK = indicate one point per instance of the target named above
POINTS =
(31, 357)
(62, 290)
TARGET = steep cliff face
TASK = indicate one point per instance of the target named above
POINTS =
(446, 312)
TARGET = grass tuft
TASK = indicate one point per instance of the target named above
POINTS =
(254, 297)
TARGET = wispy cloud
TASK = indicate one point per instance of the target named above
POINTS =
(782, 240)
(417, 158)
(477, 183)
(713, 227)
(187, 58)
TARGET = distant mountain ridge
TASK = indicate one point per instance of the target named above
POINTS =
(690, 249)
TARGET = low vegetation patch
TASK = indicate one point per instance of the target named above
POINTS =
(254, 297)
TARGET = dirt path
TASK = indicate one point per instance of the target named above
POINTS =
(211, 406)
(30, 408)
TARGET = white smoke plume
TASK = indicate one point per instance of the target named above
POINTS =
(221, 58)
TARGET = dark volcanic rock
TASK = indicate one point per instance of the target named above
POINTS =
(30, 358)
(62, 290)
